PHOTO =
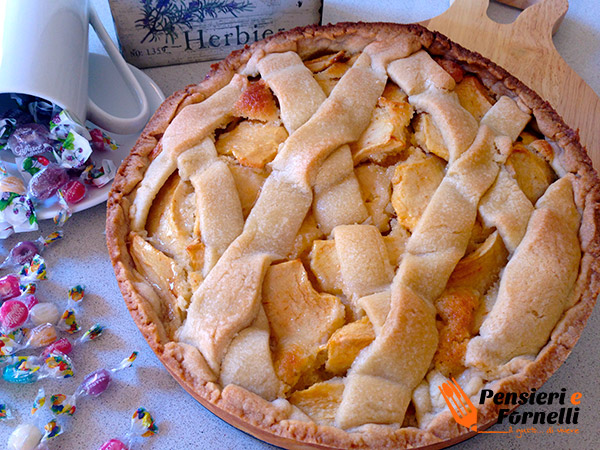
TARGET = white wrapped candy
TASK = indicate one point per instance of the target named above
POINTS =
(25, 437)
(44, 313)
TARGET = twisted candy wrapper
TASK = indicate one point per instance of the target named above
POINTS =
(30, 165)
(17, 213)
(11, 342)
(7, 126)
(68, 320)
(35, 270)
(93, 333)
(5, 412)
(39, 401)
(52, 429)
(142, 423)
(62, 404)
(65, 212)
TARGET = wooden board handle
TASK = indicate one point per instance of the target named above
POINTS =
(524, 4)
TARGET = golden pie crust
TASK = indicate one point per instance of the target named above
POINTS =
(490, 174)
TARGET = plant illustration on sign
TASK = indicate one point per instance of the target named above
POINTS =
(165, 18)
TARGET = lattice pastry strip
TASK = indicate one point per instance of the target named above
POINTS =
(292, 82)
(218, 208)
(457, 126)
(248, 363)
(419, 72)
(337, 196)
(506, 207)
(364, 262)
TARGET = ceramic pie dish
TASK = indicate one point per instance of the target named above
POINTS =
(341, 219)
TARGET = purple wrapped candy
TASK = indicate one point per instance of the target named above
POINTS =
(96, 382)
(23, 252)
(47, 182)
(30, 139)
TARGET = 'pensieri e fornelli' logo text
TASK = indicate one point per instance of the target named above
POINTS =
(465, 413)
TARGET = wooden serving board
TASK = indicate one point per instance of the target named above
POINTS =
(525, 49)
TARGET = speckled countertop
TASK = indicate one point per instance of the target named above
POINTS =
(82, 258)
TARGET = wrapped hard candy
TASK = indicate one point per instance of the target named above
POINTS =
(74, 191)
(29, 369)
(114, 444)
(25, 437)
(42, 336)
(44, 313)
(96, 382)
(68, 320)
(63, 345)
(47, 182)
(30, 139)
(9, 287)
(13, 314)
(23, 252)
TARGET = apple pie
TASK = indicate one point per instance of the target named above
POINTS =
(340, 219)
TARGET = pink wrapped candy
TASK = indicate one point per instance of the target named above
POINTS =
(13, 314)
(9, 287)
(114, 444)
